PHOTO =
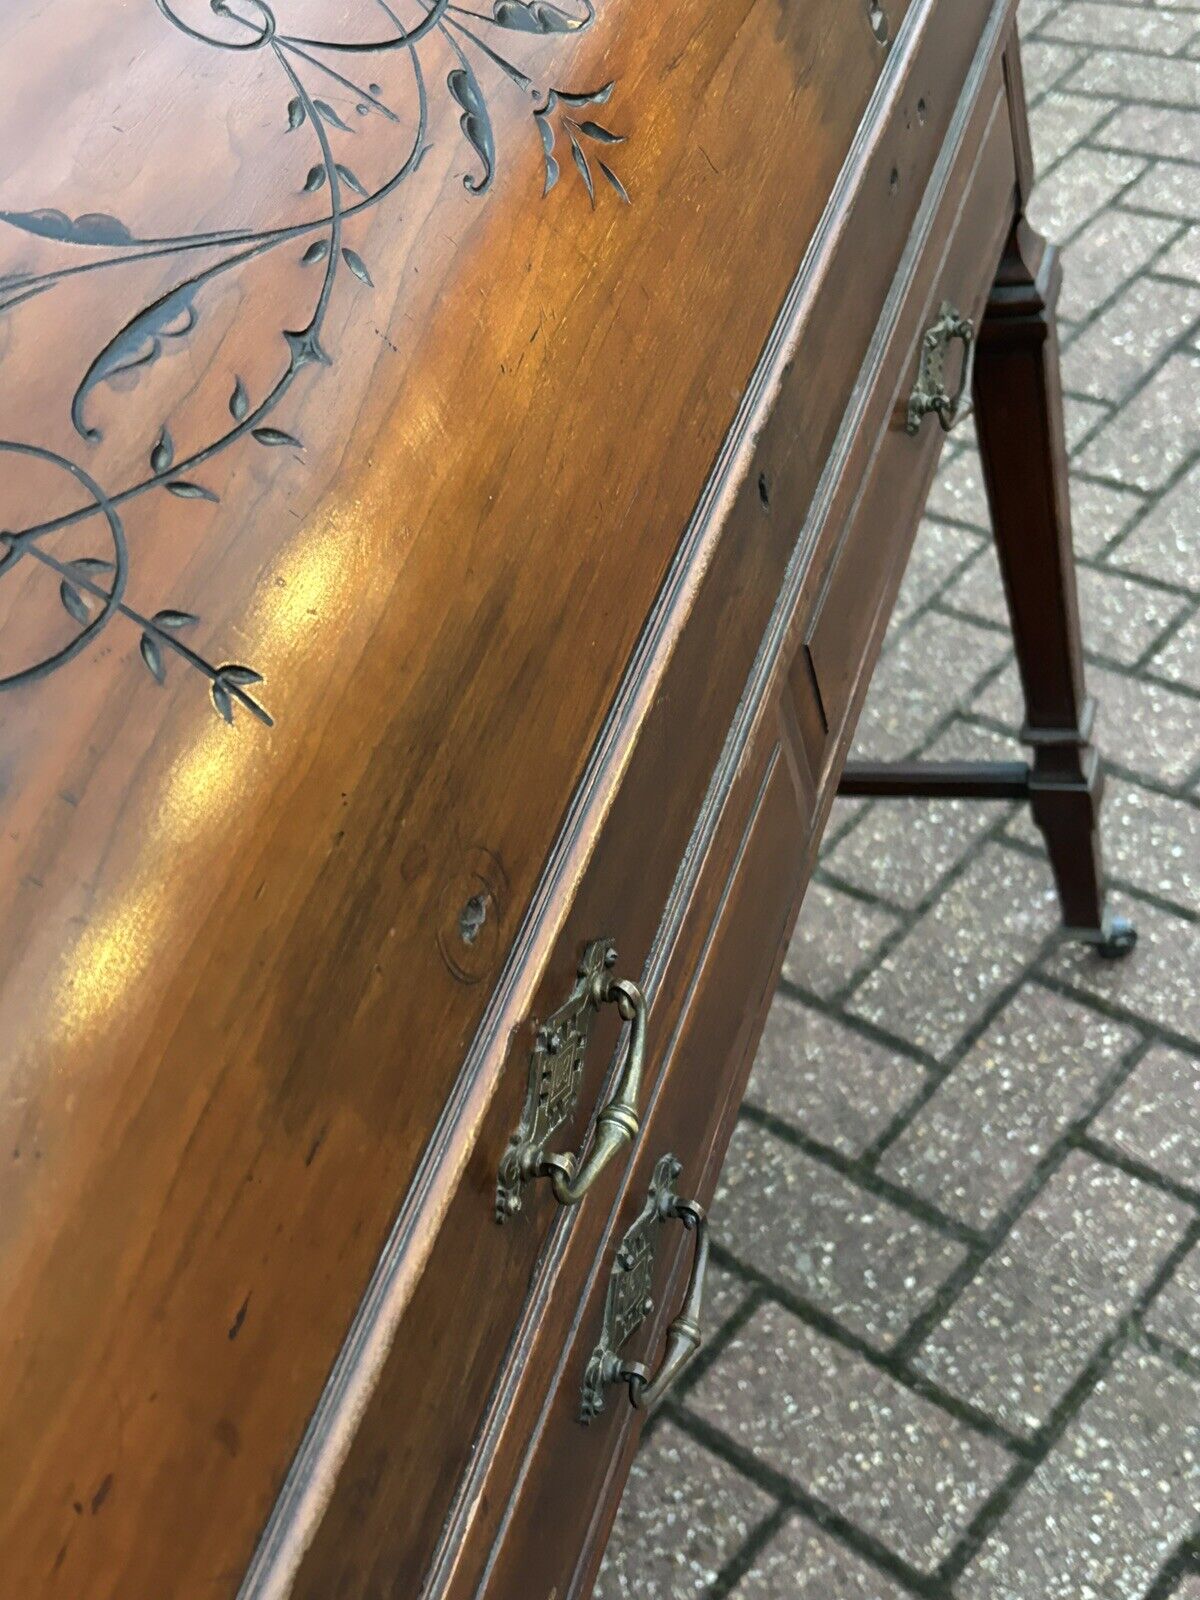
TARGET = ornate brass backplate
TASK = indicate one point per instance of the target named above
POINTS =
(629, 1302)
(555, 1071)
(929, 394)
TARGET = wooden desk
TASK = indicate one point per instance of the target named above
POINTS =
(458, 468)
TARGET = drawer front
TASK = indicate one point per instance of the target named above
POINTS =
(870, 554)
(380, 1491)
(569, 1479)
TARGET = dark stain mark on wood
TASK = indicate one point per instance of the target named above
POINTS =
(228, 1436)
(235, 1326)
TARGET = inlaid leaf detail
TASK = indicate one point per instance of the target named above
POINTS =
(349, 179)
(475, 124)
(357, 266)
(581, 161)
(94, 591)
(138, 344)
(593, 130)
(163, 453)
(223, 700)
(232, 681)
(73, 602)
(191, 491)
(593, 97)
(152, 656)
(95, 227)
(536, 16)
(614, 180)
(331, 116)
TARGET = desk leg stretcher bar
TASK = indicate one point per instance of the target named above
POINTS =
(1018, 410)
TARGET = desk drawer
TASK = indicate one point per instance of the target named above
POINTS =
(574, 1472)
(751, 885)
(728, 953)
(876, 534)
(471, 1318)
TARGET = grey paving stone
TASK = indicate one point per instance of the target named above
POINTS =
(836, 936)
(1132, 75)
(911, 691)
(890, 1462)
(1154, 130)
(1121, 618)
(1099, 513)
(1079, 187)
(660, 1548)
(1112, 248)
(1075, 1262)
(1059, 121)
(1140, 28)
(1156, 1117)
(1155, 432)
(1189, 1589)
(1152, 842)
(803, 1562)
(828, 1080)
(1164, 543)
(1119, 348)
(1102, 1513)
(1168, 187)
(940, 551)
(1179, 658)
(1175, 1313)
(856, 1257)
(1156, 981)
(1032, 13)
(947, 969)
(1182, 260)
(1037, 1067)
(1082, 417)
(725, 1293)
(1044, 64)
(1147, 727)
(969, 741)
(901, 849)
(958, 492)
(1001, 700)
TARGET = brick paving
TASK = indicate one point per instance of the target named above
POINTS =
(955, 1347)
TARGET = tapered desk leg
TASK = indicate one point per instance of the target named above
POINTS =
(1018, 401)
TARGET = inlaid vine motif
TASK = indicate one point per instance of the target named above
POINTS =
(313, 72)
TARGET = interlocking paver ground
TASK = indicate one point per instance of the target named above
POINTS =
(957, 1313)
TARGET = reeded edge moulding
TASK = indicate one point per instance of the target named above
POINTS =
(93, 589)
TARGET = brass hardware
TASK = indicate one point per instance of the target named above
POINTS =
(555, 1073)
(628, 1301)
(930, 391)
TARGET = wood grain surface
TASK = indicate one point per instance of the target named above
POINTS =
(342, 466)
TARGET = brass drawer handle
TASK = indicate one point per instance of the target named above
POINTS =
(930, 391)
(555, 1073)
(628, 1302)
